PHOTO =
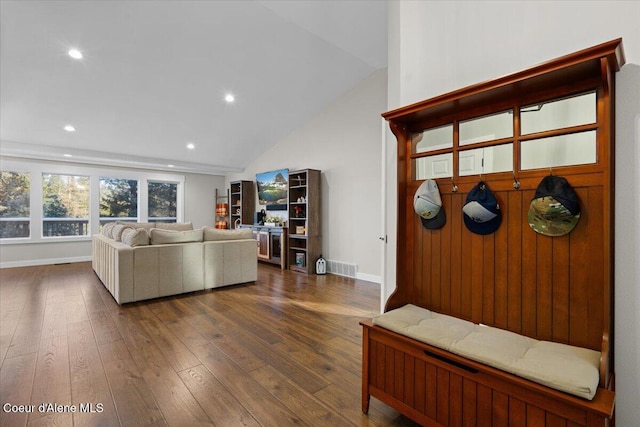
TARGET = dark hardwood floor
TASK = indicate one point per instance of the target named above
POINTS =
(285, 351)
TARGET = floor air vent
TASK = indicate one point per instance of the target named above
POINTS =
(342, 269)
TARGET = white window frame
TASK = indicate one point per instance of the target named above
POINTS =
(42, 217)
(22, 169)
(37, 168)
(158, 181)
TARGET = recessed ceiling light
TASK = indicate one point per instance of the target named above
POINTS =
(68, 155)
(75, 53)
(170, 166)
(191, 146)
(69, 128)
(229, 97)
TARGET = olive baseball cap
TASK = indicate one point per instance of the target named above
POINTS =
(555, 209)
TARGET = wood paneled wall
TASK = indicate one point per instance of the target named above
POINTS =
(514, 279)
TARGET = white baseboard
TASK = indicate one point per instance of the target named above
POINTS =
(369, 277)
(31, 263)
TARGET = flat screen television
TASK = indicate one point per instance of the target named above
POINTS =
(273, 189)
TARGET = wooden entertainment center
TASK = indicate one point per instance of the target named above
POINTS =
(298, 245)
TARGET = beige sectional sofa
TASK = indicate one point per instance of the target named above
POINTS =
(139, 261)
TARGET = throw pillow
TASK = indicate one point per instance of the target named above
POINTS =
(135, 236)
(117, 231)
(162, 237)
(107, 230)
(215, 234)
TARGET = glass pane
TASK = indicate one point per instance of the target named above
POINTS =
(433, 139)
(118, 199)
(430, 167)
(487, 128)
(563, 150)
(15, 188)
(65, 205)
(163, 198)
(575, 111)
(498, 158)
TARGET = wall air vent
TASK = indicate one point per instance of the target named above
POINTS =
(342, 268)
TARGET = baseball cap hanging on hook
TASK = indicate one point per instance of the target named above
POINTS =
(428, 205)
(555, 209)
(481, 210)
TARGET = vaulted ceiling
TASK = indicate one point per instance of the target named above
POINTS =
(154, 75)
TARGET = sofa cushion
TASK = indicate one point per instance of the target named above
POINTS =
(117, 230)
(214, 234)
(175, 226)
(146, 225)
(163, 237)
(135, 236)
(567, 368)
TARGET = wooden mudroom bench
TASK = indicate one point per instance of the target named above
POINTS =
(553, 292)
(437, 387)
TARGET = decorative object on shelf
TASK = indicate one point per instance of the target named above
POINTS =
(300, 259)
(236, 223)
(273, 221)
(300, 229)
(260, 217)
(298, 212)
(321, 265)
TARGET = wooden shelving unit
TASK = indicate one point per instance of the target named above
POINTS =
(242, 202)
(305, 240)
(222, 216)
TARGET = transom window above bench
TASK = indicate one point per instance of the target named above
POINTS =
(546, 133)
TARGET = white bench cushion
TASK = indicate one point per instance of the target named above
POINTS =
(571, 369)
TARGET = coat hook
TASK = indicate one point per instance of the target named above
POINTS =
(551, 170)
(516, 183)
(454, 189)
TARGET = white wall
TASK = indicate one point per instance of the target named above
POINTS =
(199, 198)
(436, 47)
(198, 208)
(344, 142)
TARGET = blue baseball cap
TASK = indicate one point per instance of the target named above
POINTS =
(481, 210)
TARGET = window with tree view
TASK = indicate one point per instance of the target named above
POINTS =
(118, 200)
(65, 205)
(163, 198)
(14, 204)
